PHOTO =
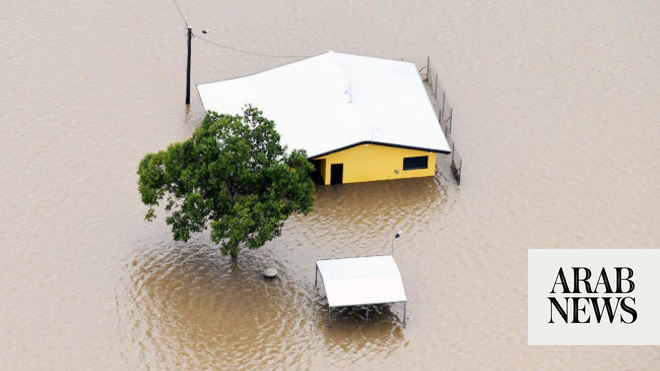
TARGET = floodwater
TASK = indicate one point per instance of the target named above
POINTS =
(555, 115)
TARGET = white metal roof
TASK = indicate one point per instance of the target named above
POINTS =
(361, 281)
(336, 100)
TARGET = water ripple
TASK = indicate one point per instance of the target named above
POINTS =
(187, 306)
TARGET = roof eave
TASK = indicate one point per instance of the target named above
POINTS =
(435, 150)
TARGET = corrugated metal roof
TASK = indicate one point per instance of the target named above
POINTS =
(361, 281)
(336, 100)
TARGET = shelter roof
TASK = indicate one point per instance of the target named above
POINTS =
(361, 281)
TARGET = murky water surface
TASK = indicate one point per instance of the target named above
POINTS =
(555, 115)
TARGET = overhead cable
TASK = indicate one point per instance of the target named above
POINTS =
(251, 52)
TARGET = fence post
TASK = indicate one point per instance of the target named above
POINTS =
(460, 170)
(443, 104)
(436, 85)
(451, 118)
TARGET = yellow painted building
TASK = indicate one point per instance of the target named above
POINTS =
(371, 162)
(359, 118)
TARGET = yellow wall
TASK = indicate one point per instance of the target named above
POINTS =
(369, 162)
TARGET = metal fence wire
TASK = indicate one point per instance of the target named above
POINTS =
(445, 112)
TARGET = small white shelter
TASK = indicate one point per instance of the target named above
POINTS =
(363, 280)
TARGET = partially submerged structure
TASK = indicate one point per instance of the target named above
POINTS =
(359, 118)
(364, 280)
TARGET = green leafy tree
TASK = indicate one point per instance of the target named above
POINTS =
(233, 176)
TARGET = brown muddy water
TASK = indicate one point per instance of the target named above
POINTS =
(555, 113)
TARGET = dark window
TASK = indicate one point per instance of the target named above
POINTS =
(414, 163)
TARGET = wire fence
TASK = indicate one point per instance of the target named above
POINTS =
(445, 112)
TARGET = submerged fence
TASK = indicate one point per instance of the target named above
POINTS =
(445, 112)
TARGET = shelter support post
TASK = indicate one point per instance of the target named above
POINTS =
(329, 310)
(367, 313)
(316, 276)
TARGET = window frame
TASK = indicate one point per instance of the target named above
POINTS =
(416, 163)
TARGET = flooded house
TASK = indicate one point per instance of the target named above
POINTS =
(359, 118)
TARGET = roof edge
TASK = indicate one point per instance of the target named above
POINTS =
(295, 61)
(381, 144)
(261, 71)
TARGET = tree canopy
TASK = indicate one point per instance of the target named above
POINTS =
(233, 176)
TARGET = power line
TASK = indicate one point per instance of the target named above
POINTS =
(233, 48)
(180, 13)
(251, 52)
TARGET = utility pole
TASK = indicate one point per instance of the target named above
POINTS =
(188, 69)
